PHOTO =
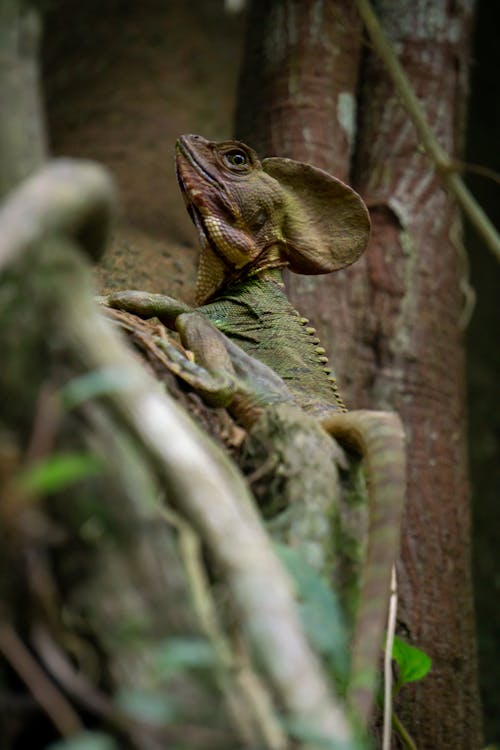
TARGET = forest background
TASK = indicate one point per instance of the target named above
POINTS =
(122, 80)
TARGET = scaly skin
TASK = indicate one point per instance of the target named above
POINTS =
(251, 312)
(253, 219)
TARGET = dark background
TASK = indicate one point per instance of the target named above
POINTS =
(483, 358)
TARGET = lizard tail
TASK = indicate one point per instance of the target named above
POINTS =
(379, 437)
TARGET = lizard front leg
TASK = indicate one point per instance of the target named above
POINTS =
(255, 385)
(212, 374)
(146, 305)
(222, 373)
(379, 437)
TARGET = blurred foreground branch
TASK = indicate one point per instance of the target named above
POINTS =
(54, 332)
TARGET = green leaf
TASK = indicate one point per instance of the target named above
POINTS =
(86, 741)
(145, 706)
(59, 471)
(177, 655)
(97, 383)
(413, 663)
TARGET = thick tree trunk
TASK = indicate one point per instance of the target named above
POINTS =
(393, 321)
(22, 132)
(298, 81)
(297, 98)
(416, 274)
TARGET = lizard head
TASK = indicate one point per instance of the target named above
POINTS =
(253, 215)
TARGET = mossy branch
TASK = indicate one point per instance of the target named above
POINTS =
(66, 206)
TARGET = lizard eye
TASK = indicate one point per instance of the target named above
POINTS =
(236, 158)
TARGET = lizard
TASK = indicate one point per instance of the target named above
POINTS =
(253, 219)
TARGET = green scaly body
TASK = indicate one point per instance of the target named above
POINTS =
(257, 315)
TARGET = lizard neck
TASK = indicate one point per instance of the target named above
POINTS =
(272, 276)
(257, 315)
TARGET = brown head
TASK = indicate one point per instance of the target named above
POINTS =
(254, 215)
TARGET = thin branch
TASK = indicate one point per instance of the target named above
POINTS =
(443, 164)
(75, 683)
(55, 705)
(46, 423)
(391, 627)
(403, 735)
(479, 169)
(81, 689)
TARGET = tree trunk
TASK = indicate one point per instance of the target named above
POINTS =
(297, 98)
(22, 133)
(393, 321)
(416, 275)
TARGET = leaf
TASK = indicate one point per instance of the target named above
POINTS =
(97, 383)
(145, 706)
(413, 663)
(59, 471)
(180, 654)
(86, 741)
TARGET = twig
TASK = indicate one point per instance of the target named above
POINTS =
(45, 425)
(391, 627)
(75, 683)
(90, 697)
(443, 164)
(479, 169)
(402, 733)
(55, 705)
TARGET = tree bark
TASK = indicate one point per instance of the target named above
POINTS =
(298, 81)
(416, 275)
(393, 321)
(297, 98)
(22, 132)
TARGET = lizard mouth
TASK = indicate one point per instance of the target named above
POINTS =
(214, 267)
(197, 184)
(192, 179)
(188, 191)
(188, 161)
(185, 194)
